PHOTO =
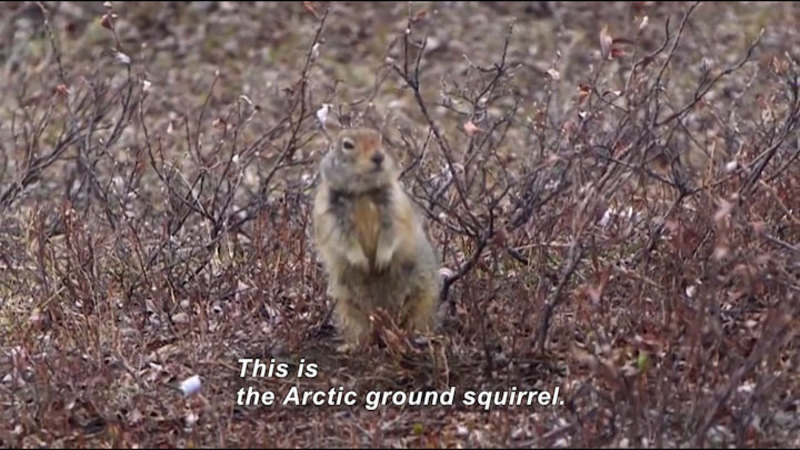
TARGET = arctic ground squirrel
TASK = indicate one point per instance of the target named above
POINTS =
(371, 240)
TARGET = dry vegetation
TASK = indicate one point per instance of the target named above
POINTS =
(613, 188)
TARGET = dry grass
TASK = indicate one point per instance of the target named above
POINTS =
(615, 199)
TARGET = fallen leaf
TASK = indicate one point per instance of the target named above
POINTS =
(583, 91)
(643, 24)
(605, 42)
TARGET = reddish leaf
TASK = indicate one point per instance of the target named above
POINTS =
(470, 128)
(310, 8)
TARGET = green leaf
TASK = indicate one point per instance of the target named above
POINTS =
(642, 362)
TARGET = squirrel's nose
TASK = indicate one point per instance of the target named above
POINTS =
(377, 158)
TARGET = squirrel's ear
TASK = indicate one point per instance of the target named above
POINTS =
(387, 118)
(333, 127)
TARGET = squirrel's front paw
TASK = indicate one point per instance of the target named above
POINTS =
(383, 257)
(358, 259)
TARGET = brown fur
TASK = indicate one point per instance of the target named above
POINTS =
(371, 240)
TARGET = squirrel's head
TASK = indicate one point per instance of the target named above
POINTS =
(357, 161)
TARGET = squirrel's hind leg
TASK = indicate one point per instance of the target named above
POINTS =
(354, 323)
(420, 311)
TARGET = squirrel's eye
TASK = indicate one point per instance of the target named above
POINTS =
(347, 144)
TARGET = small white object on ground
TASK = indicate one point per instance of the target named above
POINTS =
(191, 385)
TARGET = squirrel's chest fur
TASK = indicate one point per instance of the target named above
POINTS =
(366, 219)
(364, 216)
